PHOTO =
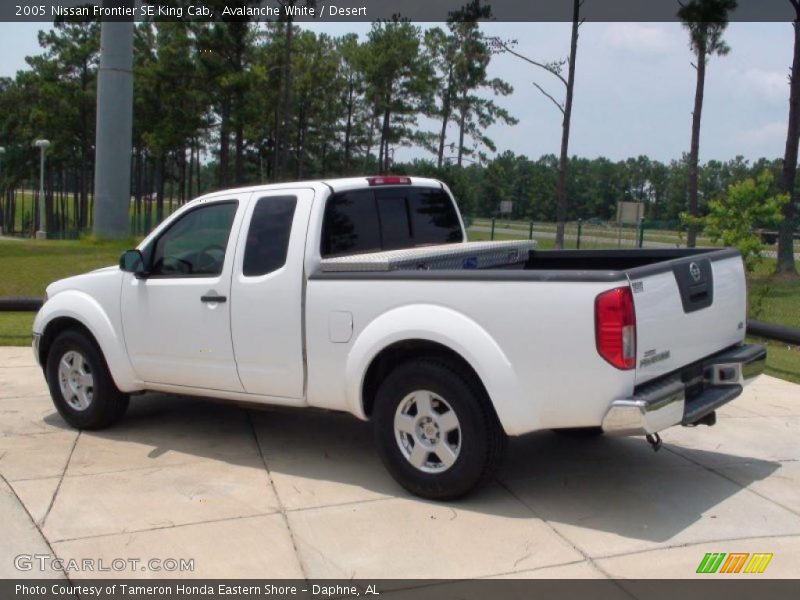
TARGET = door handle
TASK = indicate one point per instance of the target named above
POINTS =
(213, 299)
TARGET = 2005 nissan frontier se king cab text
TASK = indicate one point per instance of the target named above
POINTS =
(363, 295)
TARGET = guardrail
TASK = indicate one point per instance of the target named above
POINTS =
(773, 331)
(20, 304)
(770, 331)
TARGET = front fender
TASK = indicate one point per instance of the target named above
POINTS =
(85, 309)
(457, 332)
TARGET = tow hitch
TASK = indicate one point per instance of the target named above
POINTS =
(654, 440)
(710, 419)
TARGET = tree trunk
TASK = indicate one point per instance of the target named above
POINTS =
(239, 158)
(283, 121)
(137, 210)
(370, 139)
(561, 188)
(224, 142)
(462, 124)
(382, 157)
(694, 152)
(160, 163)
(300, 141)
(445, 120)
(786, 263)
(348, 130)
(197, 167)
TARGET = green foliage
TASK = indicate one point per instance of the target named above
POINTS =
(734, 220)
(706, 21)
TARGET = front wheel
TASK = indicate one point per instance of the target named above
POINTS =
(435, 429)
(80, 384)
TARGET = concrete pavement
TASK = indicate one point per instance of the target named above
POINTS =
(287, 493)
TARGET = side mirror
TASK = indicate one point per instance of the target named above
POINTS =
(132, 261)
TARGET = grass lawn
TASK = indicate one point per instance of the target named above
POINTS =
(27, 266)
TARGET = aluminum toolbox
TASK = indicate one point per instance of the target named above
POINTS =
(466, 255)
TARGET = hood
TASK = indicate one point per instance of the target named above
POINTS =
(81, 282)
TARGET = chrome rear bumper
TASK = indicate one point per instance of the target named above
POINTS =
(687, 396)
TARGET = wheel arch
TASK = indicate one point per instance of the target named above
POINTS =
(55, 328)
(76, 310)
(399, 352)
(412, 331)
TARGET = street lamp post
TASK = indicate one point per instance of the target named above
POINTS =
(41, 234)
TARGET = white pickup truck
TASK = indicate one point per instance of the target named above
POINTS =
(363, 295)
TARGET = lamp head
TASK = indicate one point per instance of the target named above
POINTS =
(41, 143)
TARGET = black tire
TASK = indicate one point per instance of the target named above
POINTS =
(480, 437)
(580, 432)
(106, 403)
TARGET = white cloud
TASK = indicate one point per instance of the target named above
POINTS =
(637, 37)
(770, 85)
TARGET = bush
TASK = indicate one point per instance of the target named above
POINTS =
(734, 219)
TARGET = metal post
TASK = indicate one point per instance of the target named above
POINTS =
(641, 233)
(41, 233)
(530, 230)
(580, 227)
(493, 220)
(112, 180)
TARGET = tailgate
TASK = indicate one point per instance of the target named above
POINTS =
(687, 309)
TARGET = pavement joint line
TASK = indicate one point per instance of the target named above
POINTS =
(145, 468)
(61, 479)
(34, 523)
(564, 538)
(281, 507)
(733, 481)
(534, 569)
(342, 504)
(703, 543)
(163, 527)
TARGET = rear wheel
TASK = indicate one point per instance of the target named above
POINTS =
(80, 384)
(435, 429)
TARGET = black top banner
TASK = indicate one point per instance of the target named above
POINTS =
(372, 10)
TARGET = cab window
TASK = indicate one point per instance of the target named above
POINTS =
(268, 237)
(195, 244)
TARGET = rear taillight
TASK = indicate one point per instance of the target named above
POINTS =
(615, 327)
(389, 180)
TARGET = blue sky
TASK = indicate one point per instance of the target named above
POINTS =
(634, 88)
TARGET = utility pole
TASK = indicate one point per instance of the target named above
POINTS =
(113, 145)
(41, 234)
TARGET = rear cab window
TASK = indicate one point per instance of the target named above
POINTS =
(392, 218)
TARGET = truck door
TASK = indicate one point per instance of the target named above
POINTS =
(267, 293)
(177, 320)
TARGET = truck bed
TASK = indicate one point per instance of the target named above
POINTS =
(690, 302)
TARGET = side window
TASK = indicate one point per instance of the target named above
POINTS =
(351, 224)
(268, 238)
(195, 244)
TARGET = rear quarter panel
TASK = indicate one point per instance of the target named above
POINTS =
(531, 342)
